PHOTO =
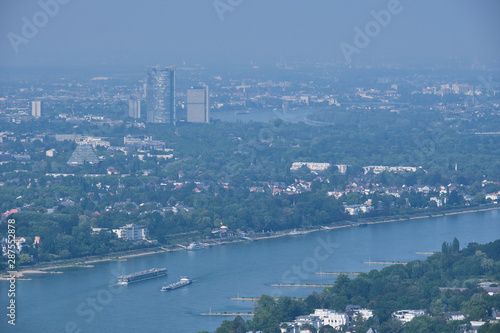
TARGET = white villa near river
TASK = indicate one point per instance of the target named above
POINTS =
(320, 317)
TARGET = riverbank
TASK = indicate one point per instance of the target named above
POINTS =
(51, 267)
(430, 215)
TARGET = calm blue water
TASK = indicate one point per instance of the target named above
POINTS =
(88, 299)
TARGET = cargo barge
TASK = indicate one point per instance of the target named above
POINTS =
(144, 275)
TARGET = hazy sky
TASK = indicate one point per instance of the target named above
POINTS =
(133, 32)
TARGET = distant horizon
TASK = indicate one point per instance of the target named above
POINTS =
(452, 65)
(374, 61)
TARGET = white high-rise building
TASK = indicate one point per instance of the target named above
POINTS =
(134, 108)
(197, 105)
(36, 109)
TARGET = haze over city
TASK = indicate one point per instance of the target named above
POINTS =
(110, 33)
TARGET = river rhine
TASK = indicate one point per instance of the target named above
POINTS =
(88, 300)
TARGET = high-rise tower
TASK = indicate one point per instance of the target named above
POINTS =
(36, 109)
(134, 108)
(197, 105)
(160, 97)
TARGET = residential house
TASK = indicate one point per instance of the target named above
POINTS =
(353, 310)
(439, 202)
(356, 209)
(295, 326)
(329, 317)
(407, 315)
(320, 317)
(457, 315)
(50, 153)
(132, 232)
(311, 165)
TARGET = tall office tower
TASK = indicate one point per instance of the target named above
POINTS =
(197, 105)
(36, 109)
(134, 108)
(160, 97)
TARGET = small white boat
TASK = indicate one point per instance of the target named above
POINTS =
(184, 281)
(195, 246)
(296, 232)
